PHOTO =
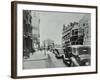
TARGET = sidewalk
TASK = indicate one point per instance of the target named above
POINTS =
(39, 55)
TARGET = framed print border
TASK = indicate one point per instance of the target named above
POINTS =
(14, 38)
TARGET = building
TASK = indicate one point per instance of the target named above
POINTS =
(85, 23)
(73, 34)
(27, 32)
(35, 30)
(77, 33)
(66, 34)
(48, 44)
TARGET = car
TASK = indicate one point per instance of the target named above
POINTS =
(66, 60)
(83, 52)
(58, 52)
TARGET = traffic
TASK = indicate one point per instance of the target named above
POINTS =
(75, 55)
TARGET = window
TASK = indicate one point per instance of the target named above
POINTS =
(73, 43)
(74, 38)
(72, 32)
(75, 32)
(84, 24)
(74, 50)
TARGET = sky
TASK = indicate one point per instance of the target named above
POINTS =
(51, 24)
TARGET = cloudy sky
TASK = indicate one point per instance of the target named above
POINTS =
(51, 24)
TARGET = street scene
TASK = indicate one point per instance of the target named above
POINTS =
(56, 39)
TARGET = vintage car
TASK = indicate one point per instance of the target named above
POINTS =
(58, 52)
(83, 52)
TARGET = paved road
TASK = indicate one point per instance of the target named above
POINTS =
(43, 59)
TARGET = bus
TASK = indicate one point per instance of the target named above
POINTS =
(83, 52)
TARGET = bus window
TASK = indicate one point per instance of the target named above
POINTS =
(74, 50)
(84, 50)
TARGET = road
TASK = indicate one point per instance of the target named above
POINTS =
(42, 59)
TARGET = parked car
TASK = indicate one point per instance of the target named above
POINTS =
(84, 54)
(58, 52)
(66, 58)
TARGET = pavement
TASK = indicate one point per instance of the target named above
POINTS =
(42, 59)
(39, 55)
